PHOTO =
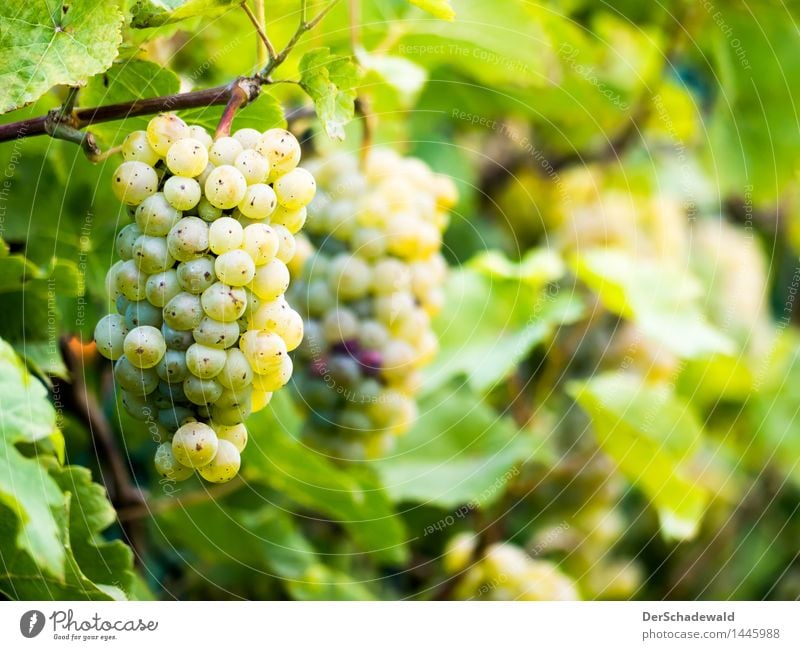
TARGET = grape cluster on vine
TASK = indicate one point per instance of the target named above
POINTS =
(367, 294)
(202, 330)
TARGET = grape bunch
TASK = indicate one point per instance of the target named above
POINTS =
(202, 330)
(367, 294)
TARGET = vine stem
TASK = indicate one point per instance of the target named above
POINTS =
(265, 50)
(65, 123)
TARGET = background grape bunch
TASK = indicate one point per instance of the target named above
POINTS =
(202, 331)
(367, 295)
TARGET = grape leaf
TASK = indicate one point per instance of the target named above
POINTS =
(491, 324)
(153, 13)
(25, 487)
(438, 8)
(459, 451)
(353, 499)
(406, 77)
(652, 436)
(330, 81)
(47, 43)
(663, 301)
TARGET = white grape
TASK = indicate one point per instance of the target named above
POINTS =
(225, 234)
(155, 216)
(109, 335)
(187, 157)
(195, 444)
(225, 187)
(136, 147)
(144, 346)
(182, 192)
(134, 181)
(259, 201)
(164, 130)
(235, 268)
(204, 361)
(225, 464)
(224, 151)
(295, 189)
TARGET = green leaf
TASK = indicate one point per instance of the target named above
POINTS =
(353, 499)
(153, 13)
(664, 301)
(46, 43)
(438, 8)
(44, 359)
(330, 80)
(459, 451)
(489, 326)
(17, 271)
(406, 77)
(652, 436)
(25, 487)
(126, 81)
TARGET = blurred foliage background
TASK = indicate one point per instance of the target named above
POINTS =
(612, 413)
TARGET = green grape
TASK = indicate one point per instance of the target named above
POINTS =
(197, 275)
(248, 138)
(195, 444)
(319, 298)
(398, 360)
(223, 302)
(368, 243)
(231, 416)
(162, 287)
(130, 281)
(275, 377)
(144, 346)
(390, 308)
(224, 151)
(152, 255)
(340, 325)
(225, 187)
(294, 220)
(183, 312)
(172, 368)
(350, 277)
(188, 239)
(182, 192)
(136, 147)
(389, 276)
(169, 394)
(225, 234)
(281, 149)
(253, 166)
(292, 330)
(121, 303)
(187, 157)
(225, 464)
(137, 406)
(287, 245)
(259, 399)
(344, 371)
(372, 335)
(236, 374)
(109, 335)
(125, 239)
(206, 211)
(270, 280)
(272, 316)
(261, 242)
(235, 268)
(239, 399)
(176, 339)
(295, 189)
(134, 181)
(204, 361)
(355, 421)
(155, 216)
(172, 416)
(142, 313)
(164, 130)
(236, 435)
(137, 381)
(201, 391)
(264, 350)
(258, 202)
(216, 334)
(168, 466)
(201, 135)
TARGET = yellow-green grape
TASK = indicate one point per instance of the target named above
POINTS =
(275, 377)
(225, 234)
(155, 216)
(216, 334)
(259, 201)
(144, 346)
(204, 361)
(223, 302)
(236, 374)
(224, 151)
(125, 240)
(248, 138)
(197, 275)
(272, 316)
(294, 220)
(184, 311)
(270, 280)
(130, 281)
(164, 130)
(235, 268)
(206, 211)
(187, 157)
(281, 149)
(261, 242)
(135, 380)
(230, 416)
(287, 244)
(168, 466)
(349, 277)
(172, 368)
(162, 287)
(194, 444)
(136, 147)
(201, 391)
(295, 189)
(176, 339)
(225, 187)
(293, 330)
(198, 133)
(225, 464)
(259, 399)
(188, 239)
(236, 435)
(151, 255)
(134, 181)
(182, 192)
(254, 167)
(109, 335)
(264, 351)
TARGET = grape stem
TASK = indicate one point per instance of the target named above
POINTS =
(66, 122)
(266, 50)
